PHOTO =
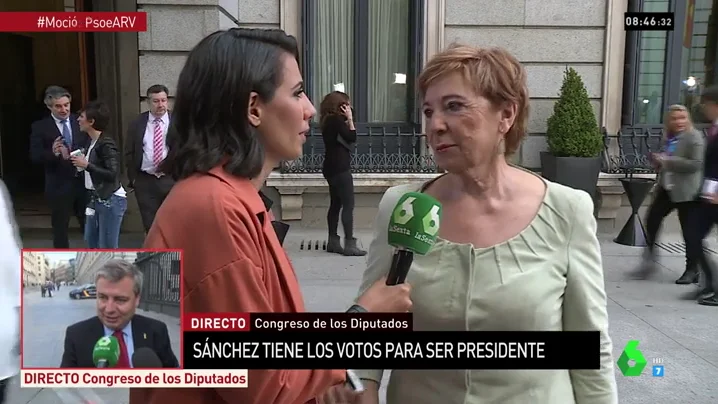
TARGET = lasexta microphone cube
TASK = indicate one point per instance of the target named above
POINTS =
(415, 222)
(106, 352)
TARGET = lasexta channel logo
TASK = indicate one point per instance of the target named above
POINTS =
(632, 353)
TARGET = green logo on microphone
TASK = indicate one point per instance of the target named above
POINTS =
(404, 211)
(431, 221)
(104, 341)
(415, 222)
(631, 353)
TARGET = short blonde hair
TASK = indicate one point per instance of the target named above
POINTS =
(493, 73)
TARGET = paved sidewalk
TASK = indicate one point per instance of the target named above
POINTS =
(678, 331)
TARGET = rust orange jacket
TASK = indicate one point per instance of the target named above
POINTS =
(233, 262)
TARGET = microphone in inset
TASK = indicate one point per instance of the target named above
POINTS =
(413, 227)
(144, 358)
(106, 352)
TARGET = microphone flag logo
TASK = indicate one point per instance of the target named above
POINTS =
(431, 221)
(404, 211)
(104, 341)
(414, 222)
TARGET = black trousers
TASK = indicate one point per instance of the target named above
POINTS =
(150, 192)
(341, 198)
(62, 208)
(661, 207)
(705, 218)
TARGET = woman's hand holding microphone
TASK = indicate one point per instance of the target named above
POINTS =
(379, 298)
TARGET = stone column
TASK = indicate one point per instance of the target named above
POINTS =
(291, 201)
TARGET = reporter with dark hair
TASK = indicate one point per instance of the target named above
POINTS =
(101, 165)
(240, 109)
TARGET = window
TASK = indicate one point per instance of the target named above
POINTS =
(699, 62)
(648, 65)
(369, 49)
(664, 68)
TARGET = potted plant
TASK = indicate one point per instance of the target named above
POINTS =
(574, 139)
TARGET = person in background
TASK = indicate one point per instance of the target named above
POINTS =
(680, 165)
(707, 213)
(145, 149)
(240, 109)
(52, 140)
(339, 134)
(515, 252)
(10, 291)
(101, 171)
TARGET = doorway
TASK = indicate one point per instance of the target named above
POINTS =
(33, 62)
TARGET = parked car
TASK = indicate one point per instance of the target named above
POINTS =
(84, 292)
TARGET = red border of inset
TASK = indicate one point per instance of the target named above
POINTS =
(71, 250)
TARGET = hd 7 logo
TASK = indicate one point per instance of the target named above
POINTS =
(632, 362)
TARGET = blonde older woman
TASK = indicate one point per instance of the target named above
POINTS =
(515, 252)
(680, 165)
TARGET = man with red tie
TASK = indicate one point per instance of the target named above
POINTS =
(707, 217)
(145, 149)
(119, 285)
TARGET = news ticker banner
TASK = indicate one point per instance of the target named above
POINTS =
(371, 341)
(124, 378)
(71, 21)
(302, 322)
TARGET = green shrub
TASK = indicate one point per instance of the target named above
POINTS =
(572, 128)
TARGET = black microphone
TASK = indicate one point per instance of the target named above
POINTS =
(413, 227)
(400, 264)
(145, 358)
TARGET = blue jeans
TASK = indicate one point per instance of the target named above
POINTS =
(102, 229)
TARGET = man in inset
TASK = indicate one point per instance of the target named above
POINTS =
(145, 149)
(52, 139)
(119, 285)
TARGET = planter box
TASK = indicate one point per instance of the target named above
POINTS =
(575, 172)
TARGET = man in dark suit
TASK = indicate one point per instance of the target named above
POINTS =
(145, 148)
(706, 215)
(119, 285)
(52, 139)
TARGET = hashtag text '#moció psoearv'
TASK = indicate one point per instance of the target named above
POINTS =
(88, 22)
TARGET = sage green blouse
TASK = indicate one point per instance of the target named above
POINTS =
(547, 278)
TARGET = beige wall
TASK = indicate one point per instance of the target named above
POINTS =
(174, 27)
(545, 35)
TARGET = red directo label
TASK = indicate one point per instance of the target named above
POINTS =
(72, 22)
(215, 322)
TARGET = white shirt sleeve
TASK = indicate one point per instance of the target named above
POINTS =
(10, 246)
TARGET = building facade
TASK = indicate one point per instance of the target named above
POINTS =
(88, 262)
(63, 272)
(35, 268)
(374, 49)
